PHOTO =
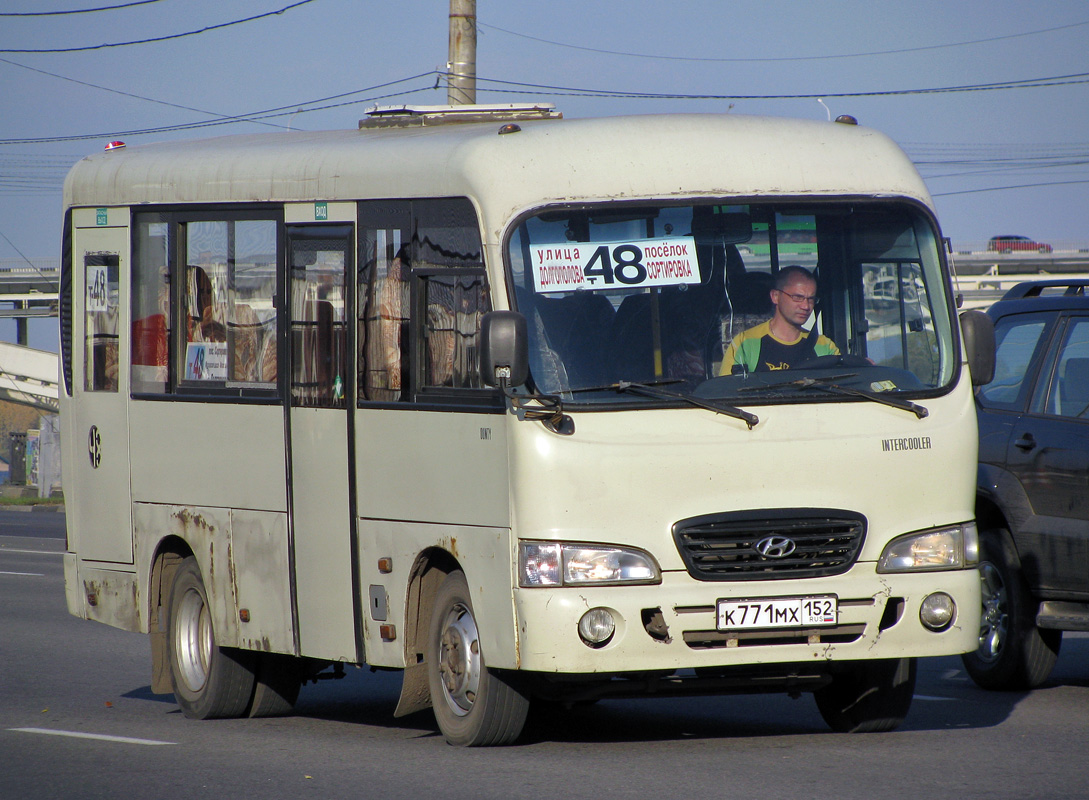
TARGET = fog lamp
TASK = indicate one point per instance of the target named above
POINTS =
(937, 611)
(596, 627)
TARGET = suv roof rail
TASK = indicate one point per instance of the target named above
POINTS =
(1073, 286)
(404, 116)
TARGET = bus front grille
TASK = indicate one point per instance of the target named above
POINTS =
(770, 544)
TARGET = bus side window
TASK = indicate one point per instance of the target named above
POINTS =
(101, 355)
(455, 303)
(318, 258)
(229, 286)
(150, 305)
(384, 304)
(421, 257)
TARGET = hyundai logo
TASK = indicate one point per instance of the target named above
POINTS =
(775, 547)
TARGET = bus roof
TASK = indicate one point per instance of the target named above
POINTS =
(544, 161)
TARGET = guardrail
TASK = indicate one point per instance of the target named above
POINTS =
(980, 291)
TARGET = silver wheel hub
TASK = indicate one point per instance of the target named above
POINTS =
(193, 640)
(459, 659)
(994, 624)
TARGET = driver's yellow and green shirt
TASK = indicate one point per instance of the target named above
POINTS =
(758, 350)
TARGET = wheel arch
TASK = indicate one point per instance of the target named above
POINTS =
(169, 554)
(992, 523)
(428, 571)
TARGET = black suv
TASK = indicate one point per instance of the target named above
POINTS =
(1032, 501)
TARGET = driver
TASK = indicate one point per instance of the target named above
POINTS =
(781, 342)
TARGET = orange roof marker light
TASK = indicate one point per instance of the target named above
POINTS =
(115, 146)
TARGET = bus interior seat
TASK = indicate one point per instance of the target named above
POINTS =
(313, 379)
(244, 332)
(204, 326)
(545, 367)
(578, 327)
(750, 300)
(688, 322)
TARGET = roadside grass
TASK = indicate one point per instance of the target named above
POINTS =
(30, 501)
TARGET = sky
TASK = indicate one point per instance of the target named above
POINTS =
(1003, 146)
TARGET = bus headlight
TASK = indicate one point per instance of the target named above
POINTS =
(563, 564)
(955, 547)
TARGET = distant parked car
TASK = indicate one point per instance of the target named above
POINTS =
(1013, 244)
(1032, 491)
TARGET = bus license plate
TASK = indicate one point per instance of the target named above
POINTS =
(778, 612)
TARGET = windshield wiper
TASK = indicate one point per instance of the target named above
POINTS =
(772, 387)
(652, 391)
(615, 387)
(850, 391)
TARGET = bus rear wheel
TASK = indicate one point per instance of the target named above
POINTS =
(473, 705)
(209, 681)
(868, 696)
(277, 685)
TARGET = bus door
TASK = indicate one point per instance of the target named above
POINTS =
(100, 261)
(319, 262)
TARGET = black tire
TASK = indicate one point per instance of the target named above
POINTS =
(1013, 654)
(473, 705)
(209, 681)
(278, 680)
(868, 696)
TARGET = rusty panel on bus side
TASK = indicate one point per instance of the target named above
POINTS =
(242, 556)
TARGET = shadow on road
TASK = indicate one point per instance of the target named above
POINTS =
(945, 699)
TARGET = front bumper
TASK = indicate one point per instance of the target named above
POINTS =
(672, 625)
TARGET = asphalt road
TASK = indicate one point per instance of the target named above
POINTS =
(77, 720)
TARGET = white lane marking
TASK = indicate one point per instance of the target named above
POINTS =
(97, 736)
(932, 697)
(31, 552)
(30, 574)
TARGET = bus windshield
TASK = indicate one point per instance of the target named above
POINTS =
(685, 297)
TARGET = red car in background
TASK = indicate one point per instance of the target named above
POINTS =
(1013, 244)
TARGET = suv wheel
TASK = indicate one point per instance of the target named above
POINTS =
(1013, 653)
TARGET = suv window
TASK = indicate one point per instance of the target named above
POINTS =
(1066, 394)
(1017, 338)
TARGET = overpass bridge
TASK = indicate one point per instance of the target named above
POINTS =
(28, 289)
(28, 377)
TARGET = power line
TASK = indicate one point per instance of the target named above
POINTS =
(1004, 188)
(123, 94)
(1058, 80)
(28, 261)
(544, 89)
(781, 58)
(158, 38)
(77, 11)
(257, 116)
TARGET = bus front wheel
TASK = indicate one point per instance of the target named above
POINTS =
(209, 681)
(473, 705)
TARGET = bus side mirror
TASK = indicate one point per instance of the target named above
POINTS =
(504, 349)
(977, 333)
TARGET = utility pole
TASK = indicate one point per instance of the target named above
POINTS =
(461, 89)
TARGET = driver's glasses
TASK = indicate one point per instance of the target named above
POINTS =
(802, 299)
